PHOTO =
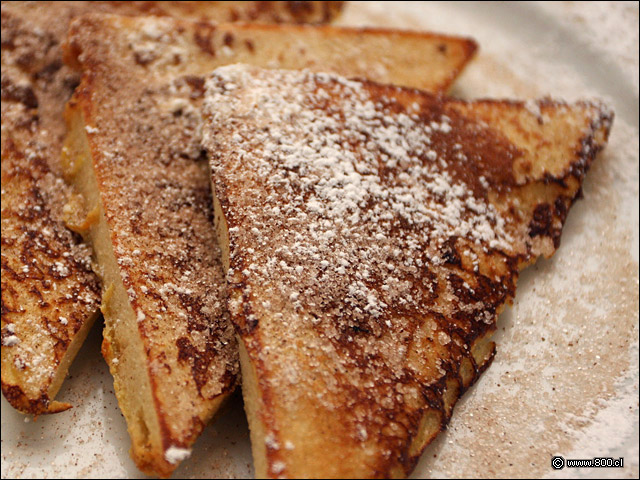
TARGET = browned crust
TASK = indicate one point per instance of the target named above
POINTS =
(407, 459)
(582, 130)
(403, 461)
(548, 218)
(87, 104)
(33, 406)
(590, 144)
(251, 334)
(37, 253)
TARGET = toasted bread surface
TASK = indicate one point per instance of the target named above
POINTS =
(312, 12)
(50, 296)
(372, 234)
(137, 160)
(49, 292)
(49, 307)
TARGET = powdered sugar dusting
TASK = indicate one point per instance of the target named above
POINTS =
(365, 188)
(343, 210)
(10, 341)
(100, 449)
(175, 455)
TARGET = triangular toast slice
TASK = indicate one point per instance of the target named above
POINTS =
(134, 154)
(372, 234)
(50, 296)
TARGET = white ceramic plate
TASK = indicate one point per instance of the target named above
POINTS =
(565, 378)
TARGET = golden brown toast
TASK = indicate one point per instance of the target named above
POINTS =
(49, 295)
(134, 154)
(372, 234)
(49, 292)
(312, 12)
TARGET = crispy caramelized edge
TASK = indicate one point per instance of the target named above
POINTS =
(46, 404)
(591, 143)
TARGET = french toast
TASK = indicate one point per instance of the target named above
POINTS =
(49, 292)
(371, 235)
(50, 296)
(134, 156)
